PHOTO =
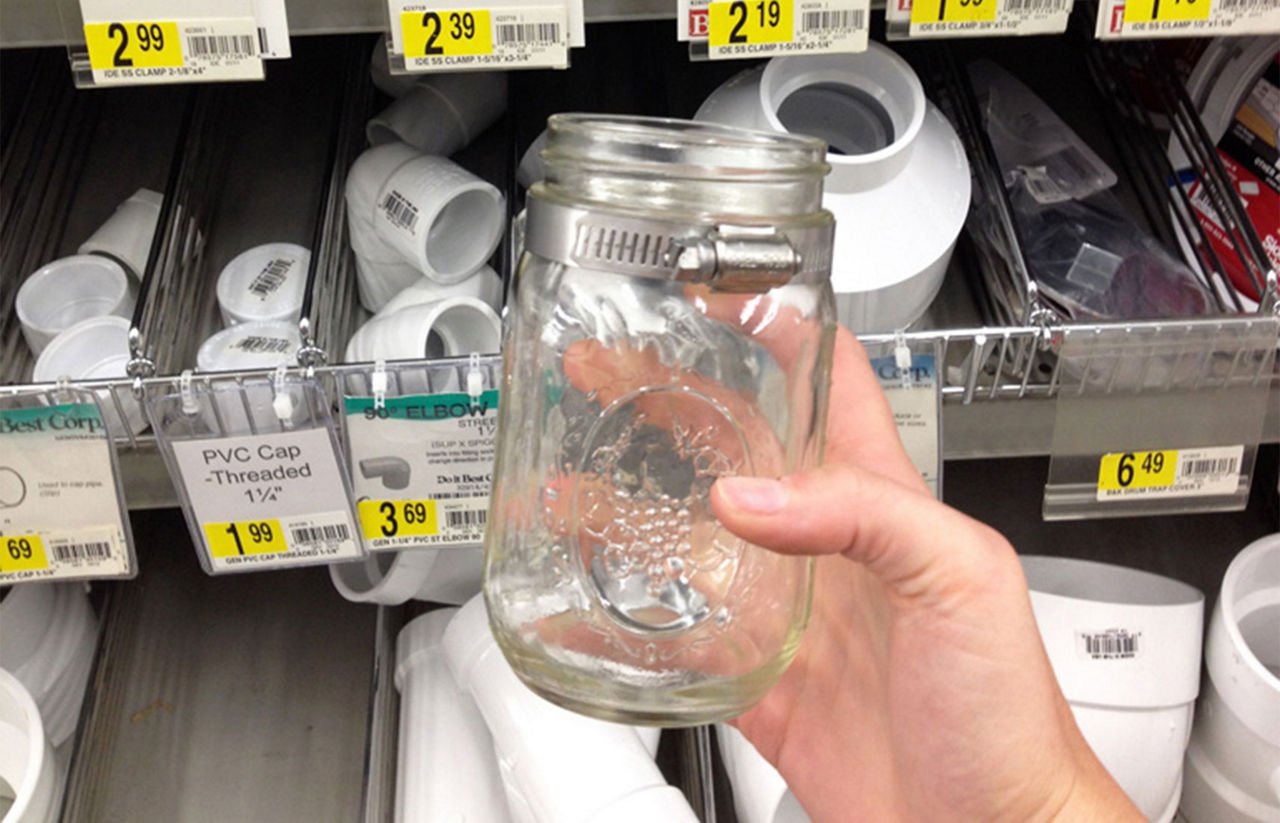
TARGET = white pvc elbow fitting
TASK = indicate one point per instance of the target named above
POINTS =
(446, 770)
(899, 182)
(561, 767)
(457, 326)
(760, 795)
(1233, 761)
(1125, 647)
(26, 758)
(484, 285)
(50, 634)
(451, 575)
(442, 113)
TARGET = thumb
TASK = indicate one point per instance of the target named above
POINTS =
(906, 538)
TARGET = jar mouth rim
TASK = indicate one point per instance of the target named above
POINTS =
(700, 150)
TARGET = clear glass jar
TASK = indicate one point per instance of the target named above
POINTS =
(673, 323)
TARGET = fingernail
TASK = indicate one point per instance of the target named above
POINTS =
(760, 495)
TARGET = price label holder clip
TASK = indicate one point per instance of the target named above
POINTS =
(908, 374)
(491, 34)
(258, 470)
(1156, 421)
(147, 42)
(1120, 19)
(62, 509)
(914, 19)
(745, 29)
(422, 460)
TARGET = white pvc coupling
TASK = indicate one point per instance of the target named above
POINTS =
(484, 285)
(49, 635)
(1233, 761)
(899, 182)
(560, 767)
(446, 770)
(1125, 647)
(451, 575)
(760, 795)
(26, 758)
(442, 113)
(127, 234)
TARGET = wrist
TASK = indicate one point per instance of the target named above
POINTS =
(1094, 797)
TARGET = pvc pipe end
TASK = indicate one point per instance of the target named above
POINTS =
(468, 637)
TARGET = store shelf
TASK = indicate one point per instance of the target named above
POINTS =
(30, 23)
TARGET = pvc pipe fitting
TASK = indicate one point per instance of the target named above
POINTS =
(899, 182)
(378, 281)
(484, 285)
(266, 282)
(1233, 761)
(562, 767)
(50, 635)
(451, 575)
(392, 85)
(442, 113)
(262, 344)
(62, 293)
(446, 770)
(26, 758)
(392, 471)
(1125, 647)
(760, 795)
(439, 217)
(446, 328)
(94, 349)
(127, 234)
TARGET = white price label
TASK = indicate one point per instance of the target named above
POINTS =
(422, 467)
(469, 36)
(150, 41)
(266, 500)
(735, 29)
(1118, 19)
(975, 18)
(913, 397)
(61, 515)
(273, 29)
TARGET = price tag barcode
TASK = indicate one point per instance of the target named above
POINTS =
(124, 52)
(1183, 18)
(1202, 472)
(759, 28)
(976, 18)
(434, 39)
(246, 541)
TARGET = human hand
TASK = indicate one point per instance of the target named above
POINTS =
(921, 691)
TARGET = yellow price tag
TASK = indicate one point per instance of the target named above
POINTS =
(1150, 11)
(140, 45)
(22, 553)
(245, 537)
(953, 11)
(750, 21)
(1137, 470)
(446, 33)
(398, 518)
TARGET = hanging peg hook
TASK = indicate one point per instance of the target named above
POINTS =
(475, 377)
(282, 403)
(190, 405)
(378, 382)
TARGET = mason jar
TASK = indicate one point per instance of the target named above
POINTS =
(673, 323)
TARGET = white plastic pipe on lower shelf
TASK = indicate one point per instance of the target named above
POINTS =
(26, 759)
(561, 767)
(1233, 761)
(447, 769)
